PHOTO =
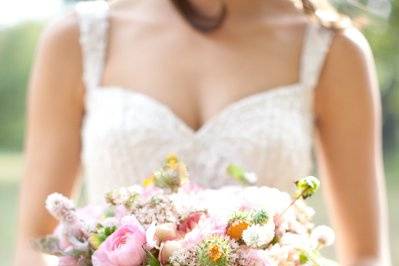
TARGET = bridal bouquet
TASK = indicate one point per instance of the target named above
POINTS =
(170, 221)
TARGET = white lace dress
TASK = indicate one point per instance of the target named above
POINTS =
(127, 134)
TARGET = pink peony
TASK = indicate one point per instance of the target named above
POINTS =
(124, 247)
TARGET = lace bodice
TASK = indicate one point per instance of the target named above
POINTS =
(127, 134)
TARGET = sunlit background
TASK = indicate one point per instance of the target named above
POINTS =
(21, 22)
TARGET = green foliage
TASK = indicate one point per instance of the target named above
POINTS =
(16, 52)
(383, 37)
(237, 173)
(260, 217)
(152, 260)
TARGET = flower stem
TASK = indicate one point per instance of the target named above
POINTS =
(295, 200)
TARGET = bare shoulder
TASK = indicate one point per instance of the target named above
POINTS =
(60, 41)
(58, 63)
(349, 48)
(348, 78)
(349, 66)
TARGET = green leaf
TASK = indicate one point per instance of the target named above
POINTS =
(152, 260)
(235, 170)
(238, 173)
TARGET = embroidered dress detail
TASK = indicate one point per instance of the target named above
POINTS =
(126, 134)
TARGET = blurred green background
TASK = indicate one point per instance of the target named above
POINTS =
(17, 45)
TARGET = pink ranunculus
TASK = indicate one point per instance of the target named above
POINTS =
(205, 227)
(124, 247)
(190, 222)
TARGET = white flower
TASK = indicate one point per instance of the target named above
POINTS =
(278, 253)
(296, 241)
(257, 236)
(251, 177)
(151, 241)
(122, 195)
(304, 210)
(322, 236)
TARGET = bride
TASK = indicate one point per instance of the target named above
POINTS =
(117, 86)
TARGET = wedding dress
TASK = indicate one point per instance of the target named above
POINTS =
(126, 134)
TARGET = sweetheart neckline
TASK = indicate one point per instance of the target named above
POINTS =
(208, 123)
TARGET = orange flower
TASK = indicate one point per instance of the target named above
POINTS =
(236, 229)
(215, 253)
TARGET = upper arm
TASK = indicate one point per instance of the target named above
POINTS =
(55, 109)
(349, 146)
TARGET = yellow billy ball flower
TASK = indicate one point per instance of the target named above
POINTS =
(215, 252)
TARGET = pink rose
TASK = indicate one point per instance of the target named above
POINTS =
(124, 247)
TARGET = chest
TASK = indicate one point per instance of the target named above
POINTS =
(198, 75)
(126, 135)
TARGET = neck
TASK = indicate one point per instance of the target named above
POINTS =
(243, 9)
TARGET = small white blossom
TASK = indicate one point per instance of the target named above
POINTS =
(257, 236)
(297, 241)
(278, 253)
(322, 236)
(251, 177)
(61, 208)
(122, 196)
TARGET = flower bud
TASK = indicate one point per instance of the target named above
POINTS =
(165, 232)
(322, 236)
(307, 186)
(167, 250)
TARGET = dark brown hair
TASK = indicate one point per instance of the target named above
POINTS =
(315, 9)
